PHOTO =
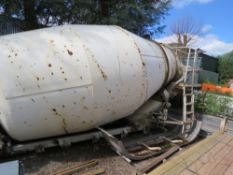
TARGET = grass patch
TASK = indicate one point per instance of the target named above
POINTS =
(213, 104)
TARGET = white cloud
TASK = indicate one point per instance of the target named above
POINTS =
(182, 3)
(206, 28)
(213, 45)
(209, 43)
(167, 39)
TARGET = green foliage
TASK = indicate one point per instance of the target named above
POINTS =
(212, 104)
(209, 82)
(225, 67)
(138, 16)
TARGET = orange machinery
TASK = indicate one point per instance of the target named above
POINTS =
(217, 89)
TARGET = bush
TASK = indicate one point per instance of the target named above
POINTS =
(213, 104)
(225, 67)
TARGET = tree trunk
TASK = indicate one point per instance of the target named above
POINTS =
(104, 10)
(30, 15)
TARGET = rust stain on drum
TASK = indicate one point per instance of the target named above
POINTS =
(55, 112)
(105, 77)
(121, 29)
(64, 124)
(69, 52)
(92, 56)
(85, 107)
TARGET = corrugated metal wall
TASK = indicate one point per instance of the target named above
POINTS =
(208, 76)
(10, 25)
(209, 63)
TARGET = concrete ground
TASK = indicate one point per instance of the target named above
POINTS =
(212, 123)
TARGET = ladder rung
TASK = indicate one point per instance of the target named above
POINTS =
(188, 94)
(187, 131)
(190, 103)
(196, 85)
(188, 122)
(185, 85)
(189, 112)
(195, 70)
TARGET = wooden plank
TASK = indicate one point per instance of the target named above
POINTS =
(219, 169)
(178, 163)
(207, 168)
(188, 159)
(209, 155)
(229, 171)
(196, 165)
(186, 172)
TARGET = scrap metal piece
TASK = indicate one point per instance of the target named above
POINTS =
(177, 141)
(160, 159)
(151, 148)
(120, 149)
(76, 168)
(194, 131)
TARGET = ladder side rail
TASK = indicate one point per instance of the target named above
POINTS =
(184, 116)
(187, 65)
(194, 67)
(193, 81)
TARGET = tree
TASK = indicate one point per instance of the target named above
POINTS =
(138, 16)
(185, 30)
(225, 67)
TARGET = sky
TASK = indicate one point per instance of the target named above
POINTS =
(216, 18)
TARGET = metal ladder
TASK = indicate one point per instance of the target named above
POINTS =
(190, 125)
(188, 114)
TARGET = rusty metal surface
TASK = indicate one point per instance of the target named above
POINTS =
(173, 63)
(72, 78)
(76, 168)
(159, 159)
(66, 140)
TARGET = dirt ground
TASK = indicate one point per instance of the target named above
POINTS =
(55, 159)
